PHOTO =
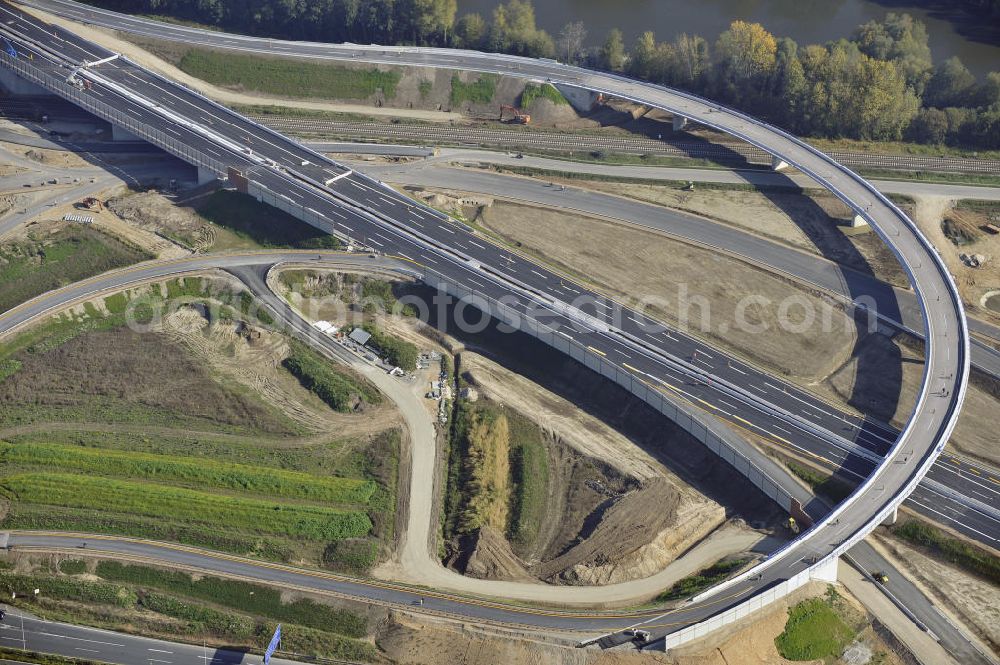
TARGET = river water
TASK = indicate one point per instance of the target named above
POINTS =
(952, 32)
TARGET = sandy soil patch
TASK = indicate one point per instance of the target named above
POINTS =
(813, 222)
(673, 275)
(252, 358)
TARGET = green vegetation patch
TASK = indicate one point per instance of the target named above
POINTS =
(814, 630)
(707, 578)
(824, 484)
(498, 473)
(963, 554)
(530, 473)
(480, 91)
(256, 599)
(354, 555)
(533, 92)
(339, 390)
(287, 77)
(135, 498)
(397, 352)
(113, 374)
(192, 470)
(32, 267)
(72, 566)
(169, 608)
(262, 224)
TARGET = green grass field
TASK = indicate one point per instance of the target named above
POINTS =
(286, 77)
(815, 630)
(533, 92)
(338, 389)
(127, 433)
(530, 474)
(32, 267)
(480, 91)
(959, 552)
(193, 471)
(172, 606)
(310, 522)
(705, 579)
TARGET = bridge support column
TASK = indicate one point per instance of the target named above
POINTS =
(16, 85)
(858, 221)
(120, 134)
(825, 573)
(581, 99)
(778, 164)
(205, 175)
(891, 519)
(680, 122)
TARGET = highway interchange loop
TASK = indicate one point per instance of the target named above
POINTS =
(285, 170)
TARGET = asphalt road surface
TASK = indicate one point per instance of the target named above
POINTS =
(396, 226)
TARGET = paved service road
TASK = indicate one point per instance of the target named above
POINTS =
(22, 630)
(214, 137)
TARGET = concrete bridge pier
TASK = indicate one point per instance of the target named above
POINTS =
(891, 519)
(206, 175)
(858, 221)
(581, 99)
(680, 122)
(826, 572)
(778, 164)
(122, 134)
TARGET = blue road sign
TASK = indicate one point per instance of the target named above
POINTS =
(7, 46)
(273, 646)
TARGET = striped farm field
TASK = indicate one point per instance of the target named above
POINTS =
(199, 472)
(106, 495)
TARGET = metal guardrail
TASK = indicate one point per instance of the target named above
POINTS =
(565, 75)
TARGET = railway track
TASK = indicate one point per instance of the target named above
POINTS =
(726, 151)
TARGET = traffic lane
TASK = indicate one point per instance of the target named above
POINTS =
(943, 509)
(393, 200)
(198, 138)
(916, 602)
(414, 599)
(909, 249)
(25, 631)
(407, 204)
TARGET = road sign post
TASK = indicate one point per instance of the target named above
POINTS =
(273, 646)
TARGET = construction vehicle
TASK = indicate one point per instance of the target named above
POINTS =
(881, 577)
(92, 203)
(517, 115)
(638, 635)
(792, 525)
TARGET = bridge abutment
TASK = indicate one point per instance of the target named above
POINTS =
(16, 85)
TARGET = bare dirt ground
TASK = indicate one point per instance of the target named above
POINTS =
(973, 282)
(813, 222)
(51, 221)
(255, 362)
(51, 158)
(682, 515)
(671, 273)
(174, 222)
(973, 601)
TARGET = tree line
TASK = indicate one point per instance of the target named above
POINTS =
(878, 84)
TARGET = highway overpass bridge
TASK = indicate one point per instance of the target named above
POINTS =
(622, 344)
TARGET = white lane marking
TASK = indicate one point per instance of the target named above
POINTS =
(539, 274)
(445, 228)
(89, 650)
(80, 639)
(160, 651)
(473, 242)
(376, 242)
